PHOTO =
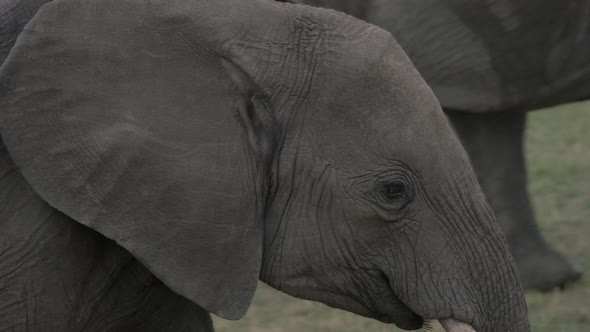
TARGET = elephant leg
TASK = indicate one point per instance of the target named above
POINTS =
(495, 144)
(57, 275)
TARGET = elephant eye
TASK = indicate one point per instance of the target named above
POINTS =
(394, 190)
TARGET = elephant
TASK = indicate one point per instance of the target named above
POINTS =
(161, 157)
(489, 63)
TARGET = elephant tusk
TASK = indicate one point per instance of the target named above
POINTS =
(452, 325)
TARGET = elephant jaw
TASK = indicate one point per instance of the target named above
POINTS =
(451, 325)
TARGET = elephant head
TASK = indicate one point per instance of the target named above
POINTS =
(224, 141)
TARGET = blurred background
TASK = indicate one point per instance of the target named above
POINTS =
(558, 155)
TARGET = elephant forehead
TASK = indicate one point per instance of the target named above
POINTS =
(382, 108)
(423, 142)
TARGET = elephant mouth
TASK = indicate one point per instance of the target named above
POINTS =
(393, 310)
(382, 304)
(379, 300)
(403, 317)
(408, 320)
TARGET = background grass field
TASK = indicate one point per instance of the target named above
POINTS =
(558, 153)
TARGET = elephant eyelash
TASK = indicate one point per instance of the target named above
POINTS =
(404, 197)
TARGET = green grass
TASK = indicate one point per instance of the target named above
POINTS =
(558, 144)
(558, 153)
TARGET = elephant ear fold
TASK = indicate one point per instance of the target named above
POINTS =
(119, 122)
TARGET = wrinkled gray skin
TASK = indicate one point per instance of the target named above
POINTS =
(488, 62)
(162, 157)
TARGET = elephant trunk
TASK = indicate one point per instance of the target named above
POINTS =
(485, 265)
(466, 277)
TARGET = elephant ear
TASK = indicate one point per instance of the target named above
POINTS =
(122, 117)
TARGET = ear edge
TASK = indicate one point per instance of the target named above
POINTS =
(234, 312)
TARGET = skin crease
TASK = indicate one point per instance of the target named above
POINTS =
(515, 56)
(332, 203)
